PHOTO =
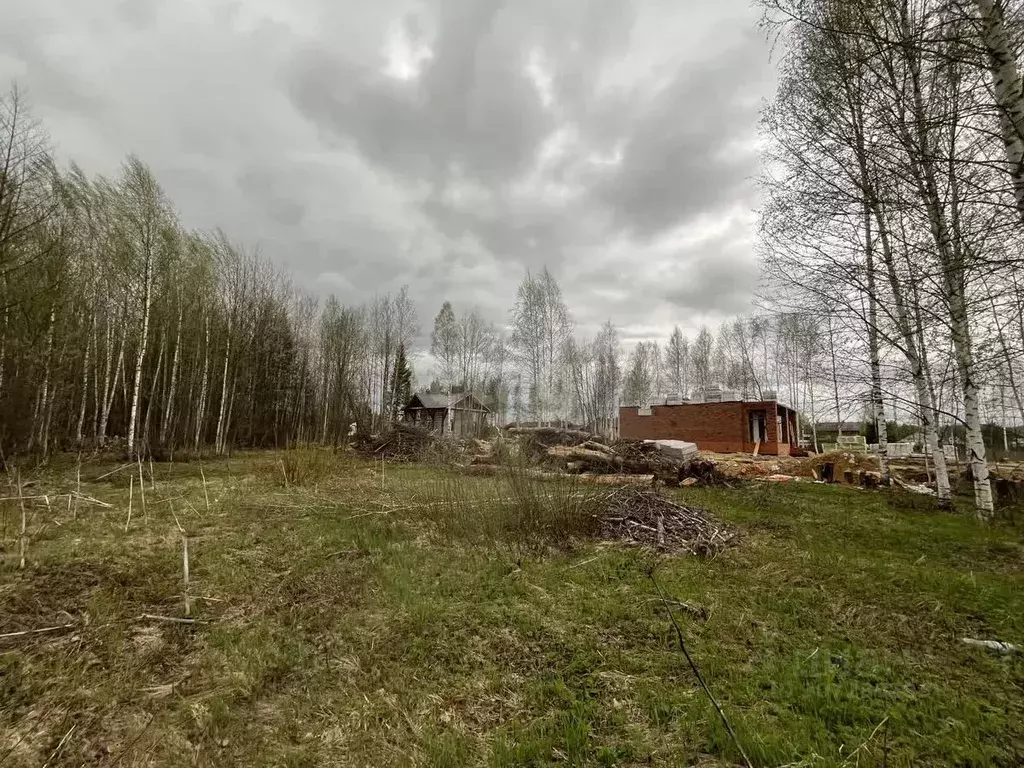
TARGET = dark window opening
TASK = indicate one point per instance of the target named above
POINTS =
(758, 426)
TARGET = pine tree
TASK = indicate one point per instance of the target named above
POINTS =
(401, 382)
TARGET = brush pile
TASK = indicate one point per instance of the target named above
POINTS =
(642, 457)
(649, 519)
(574, 452)
(403, 442)
(535, 442)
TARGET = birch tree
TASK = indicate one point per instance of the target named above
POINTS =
(677, 361)
(700, 359)
(147, 232)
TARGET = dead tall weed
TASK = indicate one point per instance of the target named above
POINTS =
(301, 467)
(519, 513)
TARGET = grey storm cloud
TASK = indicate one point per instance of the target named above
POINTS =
(447, 144)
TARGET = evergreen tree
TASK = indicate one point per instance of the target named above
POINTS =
(401, 381)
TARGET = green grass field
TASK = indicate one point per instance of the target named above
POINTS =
(422, 618)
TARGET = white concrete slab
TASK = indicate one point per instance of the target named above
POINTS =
(676, 449)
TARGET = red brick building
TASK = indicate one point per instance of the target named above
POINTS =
(726, 427)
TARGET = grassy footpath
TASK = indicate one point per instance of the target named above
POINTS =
(427, 624)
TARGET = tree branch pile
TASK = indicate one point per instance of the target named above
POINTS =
(403, 442)
(647, 518)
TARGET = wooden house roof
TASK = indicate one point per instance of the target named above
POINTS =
(465, 401)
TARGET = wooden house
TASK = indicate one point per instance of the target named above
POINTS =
(469, 416)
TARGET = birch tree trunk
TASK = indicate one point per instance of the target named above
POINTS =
(227, 420)
(173, 385)
(877, 407)
(48, 415)
(327, 404)
(108, 400)
(218, 439)
(1007, 88)
(42, 403)
(204, 384)
(147, 300)
(101, 391)
(952, 259)
(911, 337)
(152, 392)
(85, 381)
(974, 438)
(1008, 361)
(3, 349)
(835, 377)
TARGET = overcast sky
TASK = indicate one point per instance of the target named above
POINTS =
(446, 144)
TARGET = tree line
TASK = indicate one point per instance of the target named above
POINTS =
(890, 237)
(120, 326)
(895, 198)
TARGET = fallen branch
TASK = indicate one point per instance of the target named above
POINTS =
(367, 514)
(60, 745)
(697, 611)
(172, 619)
(696, 672)
(41, 631)
(924, 490)
(79, 625)
(114, 471)
(992, 645)
(91, 500)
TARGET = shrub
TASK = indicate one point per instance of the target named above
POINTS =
(302, 466)
(519, 514)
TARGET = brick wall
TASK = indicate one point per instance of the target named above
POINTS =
(720, 427)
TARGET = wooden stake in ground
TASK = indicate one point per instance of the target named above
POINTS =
(184, 557)
(206, 495)
(22, 542)
(131, 488)
(142, 491)
(78, 487)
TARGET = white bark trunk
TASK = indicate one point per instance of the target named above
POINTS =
(975, 444)
(48, 416)
(152, 393)
(1008, 361)
(204, 384)
(173, 386)
(327, 404)
(835, 377)
(3, 350)
(911, 336)
(218, 439)
(877, 406)
(110, 386)
(953, 269)
(100, 390)
(147, 298)
(39, 422)
(85, 380)
(1008, 90)
(227, 420)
